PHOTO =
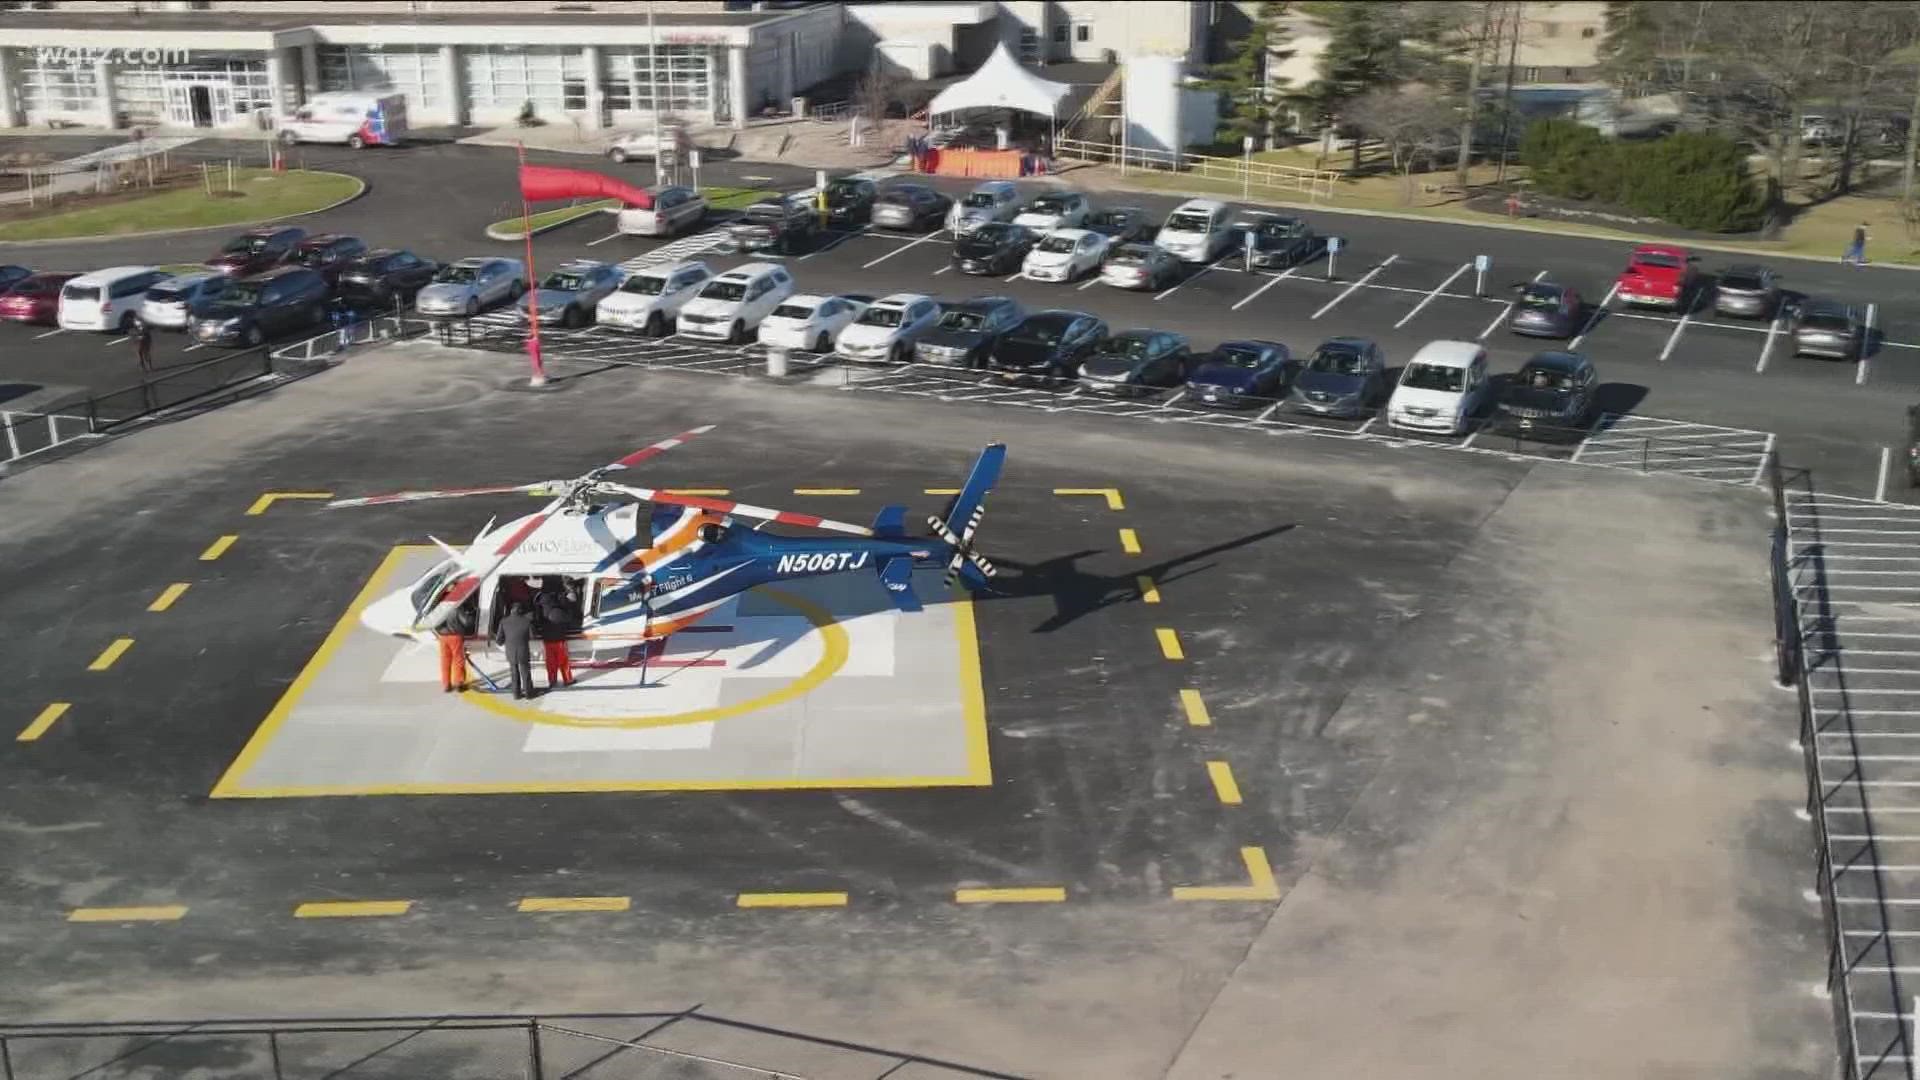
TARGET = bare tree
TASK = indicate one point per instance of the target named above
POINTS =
(1412, 122)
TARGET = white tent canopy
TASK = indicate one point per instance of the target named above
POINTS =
(1001, 83)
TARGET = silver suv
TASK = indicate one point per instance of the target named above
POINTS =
(568, 295)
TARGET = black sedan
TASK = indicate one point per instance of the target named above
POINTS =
(1544, 309)
(1278, 240)
(968, 331)
(1344, 377)
(1551, 394)
(385, 277)
(1134, 361)
(850, 201)
(1122, 224)
(1241, 373)
(994, 248)
(1047, 346)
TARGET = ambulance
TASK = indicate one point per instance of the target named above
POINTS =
(348, 118)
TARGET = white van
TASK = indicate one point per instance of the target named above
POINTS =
(107, 300)
(733, 304)
(1442, 388)
(650, 299)
(349, 118)
(1197, 231)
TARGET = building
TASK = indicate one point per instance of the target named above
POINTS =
(1559, 45)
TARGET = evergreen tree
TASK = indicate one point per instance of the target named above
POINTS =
(1362, 54)
(1251, 97)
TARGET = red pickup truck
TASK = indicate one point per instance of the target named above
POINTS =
(1657, 275)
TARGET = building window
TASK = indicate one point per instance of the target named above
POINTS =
(501, 78)
(1083, 32)
(1531, 74)
(1060, 34)
(1588, 31)
(413, 70)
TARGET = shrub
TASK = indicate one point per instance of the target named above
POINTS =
(1691, 180)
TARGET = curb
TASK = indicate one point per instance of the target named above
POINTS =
(494, 231)
(357, 192)
(1538, 230)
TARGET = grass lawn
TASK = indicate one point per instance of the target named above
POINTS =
(719, 198)
(263, 196)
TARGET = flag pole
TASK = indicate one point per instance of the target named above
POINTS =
(539, 376)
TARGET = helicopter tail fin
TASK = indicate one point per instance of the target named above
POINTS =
(890, 523)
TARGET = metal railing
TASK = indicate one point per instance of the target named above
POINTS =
(30, 433)
(494, 1045)
(835, 110)
(1316, 184)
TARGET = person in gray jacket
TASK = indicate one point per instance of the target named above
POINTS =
(515, 637)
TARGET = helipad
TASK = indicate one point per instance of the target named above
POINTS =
(819, 684)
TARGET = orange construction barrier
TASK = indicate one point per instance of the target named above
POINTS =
(985, 164)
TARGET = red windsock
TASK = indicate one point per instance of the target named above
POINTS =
(539, 183)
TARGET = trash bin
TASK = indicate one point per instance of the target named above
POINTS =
(777, 363)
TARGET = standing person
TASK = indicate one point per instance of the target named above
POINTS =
(452, 636)
(143, 345)
(515, 637)
(556, 624)
(1857, 251)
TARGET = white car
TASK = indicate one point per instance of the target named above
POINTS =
(995, 200)
(640, 144)
(888, 328)
(1065, 254)
(731, 306)
(171, 303)
(107, 300)
(1055, 210)
(1442, 388)
(810, 322)
(1198, 230)
(649, 300)
(675, 210)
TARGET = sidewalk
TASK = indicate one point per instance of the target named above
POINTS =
(81, 173)
(812, 143)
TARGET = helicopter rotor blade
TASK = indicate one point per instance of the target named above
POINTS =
(658, 448)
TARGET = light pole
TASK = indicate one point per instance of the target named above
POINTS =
(653, 89)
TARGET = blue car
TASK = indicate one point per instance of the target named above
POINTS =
(1238, 373)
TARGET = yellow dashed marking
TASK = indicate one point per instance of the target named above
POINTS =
(943, 491)
(167, 596)
(791, 899)
(42, 722)
(1196, 709)
(260, 504)
(157, 913)
(576, 903)
(1112, 495)
(1042, 895)
(826, 491)
(351, 909)
(1149, 592)
(1222, 775)
(1261, 885)
(699, 491)
(1169, 644)
(217, 548)
(111, 653)
(1129, 541)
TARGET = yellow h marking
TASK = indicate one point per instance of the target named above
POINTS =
(1222, 775)
(699, 491)
(261, 504)
(157, 913)
(1129, 542)
(1169, 644)
(1112, 495)
(351, 909)
(1149, 592)
(1261, 885)
(1196, 709)
(576, 903)
(217, 548)
(826, 491)
(110, 654)
(1041, 895)
(168, 596)
(791, 899)
(42, 722)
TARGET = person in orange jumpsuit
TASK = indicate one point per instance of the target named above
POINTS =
(559, 619)
(452, 636)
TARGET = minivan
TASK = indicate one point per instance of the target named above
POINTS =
(1441, 389)
(253, 308)
(995, 200)
(107, 300)
(1196, 231)
(675, 210)
(733, 304)
(174, 301)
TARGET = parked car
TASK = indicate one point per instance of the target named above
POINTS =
(1658, 275)
(675, 210)
(1443, 387)
(252, 309)
(888, 329)
(1055, 210)
(328, 254)
(385, 278)
(1278, 240)
(1065, 255)
(731, 305)
(11, 275)
(569, 295)
(107, 300)
(968, 331)
(850, 201)
(995, 200)
(1196, 231)
(1046, 346)
(1122, 224)
(1241, 373)
(994, 248)
(910, 206)
(1134, 361)
(1139, 266)
(34, 298)
(174, 302)
(1545, 309)
(1553, 392)
(1747, 291)
(629, 145)
(774, 223)
(1344, 377)
(257, 249)
(649, 299)
(466, 286)
(1828, 329)
(810, 322)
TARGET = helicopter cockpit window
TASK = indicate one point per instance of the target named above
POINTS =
(713, 534)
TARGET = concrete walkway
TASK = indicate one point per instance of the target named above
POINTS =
(82, 172)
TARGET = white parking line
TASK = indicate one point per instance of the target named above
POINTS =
(50, 333)
(1880, 486)
(844, 237)
(1760, 467)
(943, 270)
(1773, 331)
(1860, 372)
(1601, 309)
(1370, 421)
(1428, 299)
(932, 235)
(604, 239)
(1091, 282)
(121, 340)
(1196, 276)
(1364, 278)
(1272, 280)
(195, 345)
(1674, 338)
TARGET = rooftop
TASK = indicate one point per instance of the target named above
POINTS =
(177, 21)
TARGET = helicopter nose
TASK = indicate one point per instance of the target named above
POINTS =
(392, 614)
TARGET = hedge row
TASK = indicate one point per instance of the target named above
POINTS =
(1694, 181)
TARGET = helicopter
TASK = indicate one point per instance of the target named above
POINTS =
(642, 578)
